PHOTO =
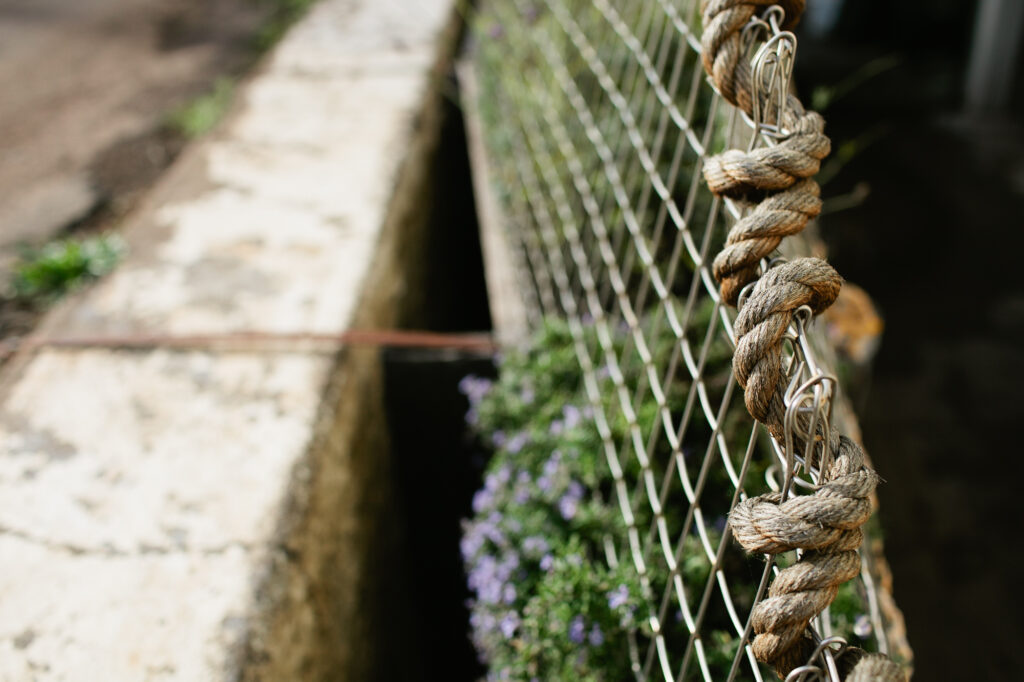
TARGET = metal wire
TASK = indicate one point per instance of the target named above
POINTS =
(602, 116)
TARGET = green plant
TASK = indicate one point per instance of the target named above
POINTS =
(48, 272)
(283, 13)
(204, 112)
(547, 602)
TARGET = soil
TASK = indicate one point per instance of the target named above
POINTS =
(87, 86)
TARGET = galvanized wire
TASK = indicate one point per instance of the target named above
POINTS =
(600, 117)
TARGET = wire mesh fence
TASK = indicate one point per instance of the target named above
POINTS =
(598, 117)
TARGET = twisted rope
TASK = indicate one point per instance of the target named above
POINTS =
(826, 525)
(736, 173)
(785, 166)
(760, 232)
(722, 51)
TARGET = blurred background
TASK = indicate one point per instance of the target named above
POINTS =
(925, 209)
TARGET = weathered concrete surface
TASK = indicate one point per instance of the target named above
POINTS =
(209, 515)
(503, 264)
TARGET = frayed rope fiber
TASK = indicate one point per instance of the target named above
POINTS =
(826, 525)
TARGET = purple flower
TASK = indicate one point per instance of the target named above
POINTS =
(527, 395)
(596, 636)
(575, 490)
(484, 580)
(516, 443)
(482, 621)
(470, 545)
(556, 428)
(567, 507)
(488, 529)
(522, 495)
(498, 438)
(509, 564)
(572, 415)
(618, 597)
(482, 500)
(535, 545)
(489, 578)
(577, 630)
(569, 504)
(494, 481)
(552, 465)
(509, 623)
(546, 562)
(509, 594)
(474, 388)
(544, 483)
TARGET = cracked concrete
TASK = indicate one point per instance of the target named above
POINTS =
(205, 515)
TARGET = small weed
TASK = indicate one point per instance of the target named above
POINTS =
(283, 13)
(204, 112)
(46, 273)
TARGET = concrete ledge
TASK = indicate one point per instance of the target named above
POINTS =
(208, 515)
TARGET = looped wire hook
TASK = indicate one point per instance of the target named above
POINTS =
(821, 665)
(808, 400)
(772, 72)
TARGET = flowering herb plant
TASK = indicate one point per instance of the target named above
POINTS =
(555, 594)
(547, 603)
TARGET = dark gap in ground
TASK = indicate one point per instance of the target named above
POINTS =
(437, 465)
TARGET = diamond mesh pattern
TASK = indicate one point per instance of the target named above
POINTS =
(598, 117)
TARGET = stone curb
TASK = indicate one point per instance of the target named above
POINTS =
(205, 514)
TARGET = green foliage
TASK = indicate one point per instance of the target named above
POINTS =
(574, 625)
(46, 273)
(204, 112)
(548, 604)
(283, 13)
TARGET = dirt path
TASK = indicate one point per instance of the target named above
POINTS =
(84, 88)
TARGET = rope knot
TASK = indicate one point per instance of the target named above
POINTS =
(826, 525)
(739, 174)
(761, 324)
(721, 50)
(759, 233)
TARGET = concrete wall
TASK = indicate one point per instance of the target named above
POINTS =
(222, 512)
